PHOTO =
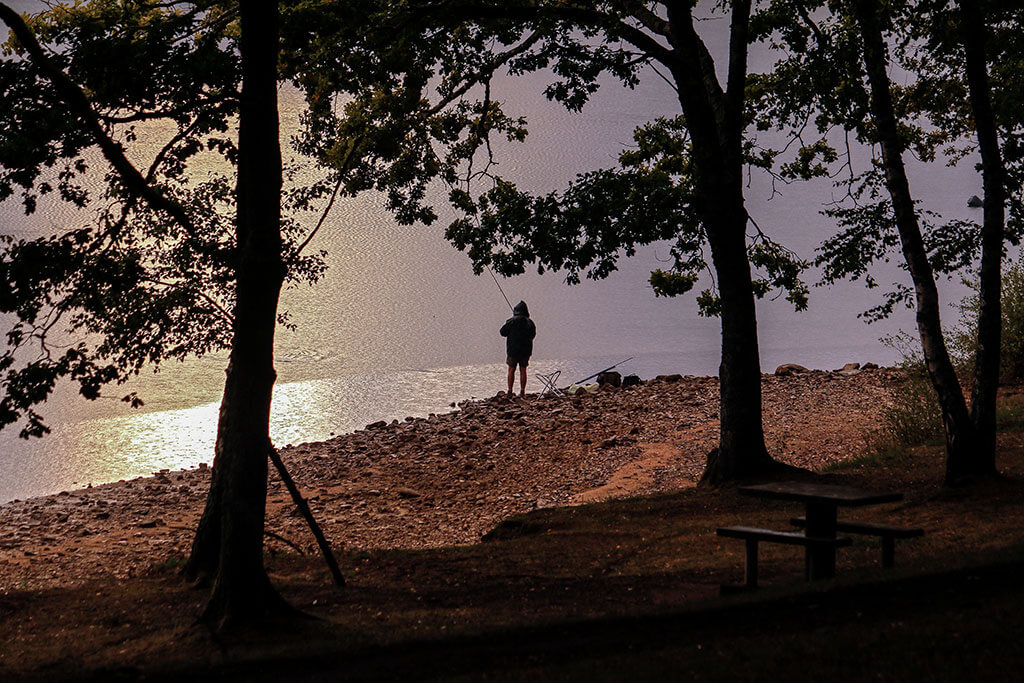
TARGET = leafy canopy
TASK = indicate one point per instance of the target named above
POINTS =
(404, 87)
(820, 88)
(144, 271)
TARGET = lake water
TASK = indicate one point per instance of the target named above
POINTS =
(400, 326)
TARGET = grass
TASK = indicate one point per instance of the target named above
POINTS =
(621, 590)
(878, 454)
(1010, 411)
(171, 565)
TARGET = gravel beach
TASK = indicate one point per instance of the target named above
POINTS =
(449, 478)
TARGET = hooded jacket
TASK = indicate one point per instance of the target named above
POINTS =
(519, 332)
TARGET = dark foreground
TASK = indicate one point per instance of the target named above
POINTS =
(963, 624)
(959, 625)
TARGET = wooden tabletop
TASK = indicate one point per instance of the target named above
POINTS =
(809, 492)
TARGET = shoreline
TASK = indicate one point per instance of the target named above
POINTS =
(446, 479)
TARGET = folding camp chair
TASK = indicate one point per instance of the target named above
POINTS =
(548, 381)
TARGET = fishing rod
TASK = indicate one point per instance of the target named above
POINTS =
(600, 371)
(499, 288)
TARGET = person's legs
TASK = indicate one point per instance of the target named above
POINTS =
(511, 377)
(522, 380)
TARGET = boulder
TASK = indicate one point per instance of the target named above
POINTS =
(669, 378)
(869, 366)
(850, 366)
(611, 378)
(631, 381)
(789, 369)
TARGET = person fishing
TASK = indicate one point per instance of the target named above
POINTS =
(519, 332)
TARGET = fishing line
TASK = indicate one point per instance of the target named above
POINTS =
(476, 221)
(499, 287)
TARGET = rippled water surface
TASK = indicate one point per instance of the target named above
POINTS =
(400, 325)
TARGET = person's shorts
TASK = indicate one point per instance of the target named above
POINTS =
(521, 362)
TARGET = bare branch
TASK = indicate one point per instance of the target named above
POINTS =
(672, 84)
(323, 215)
(162, 154)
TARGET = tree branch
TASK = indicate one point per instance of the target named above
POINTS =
(455, 12)
(700, 93)
(736, 83)
(166, 149)
(224, 314)
(79, 105)
(327, 210)
(485, 73)
(647, 18)
(820, 37)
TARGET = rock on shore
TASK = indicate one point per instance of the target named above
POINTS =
(447, 479)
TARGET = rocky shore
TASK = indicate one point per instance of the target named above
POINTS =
(449, 478)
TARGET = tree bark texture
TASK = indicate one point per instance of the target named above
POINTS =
(228, 546)
(741, 452)
(715, 121)
(986, 367)
(961, 441)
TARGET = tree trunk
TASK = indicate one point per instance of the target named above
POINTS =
(715, 120)
(961, 441)
(741, 451)
(986, 367)
(228, 546)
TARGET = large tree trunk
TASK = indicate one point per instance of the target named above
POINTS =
(961, 441)
(228, 547)
(715, 120)
(741, 451)
(986, 367)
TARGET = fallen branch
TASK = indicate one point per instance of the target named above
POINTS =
(284, 540)
(300, 502)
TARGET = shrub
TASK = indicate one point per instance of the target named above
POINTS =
(914, 416)
(963, 338)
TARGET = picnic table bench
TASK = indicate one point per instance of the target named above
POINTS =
(820, 525)
(887, 533)
(753, 535)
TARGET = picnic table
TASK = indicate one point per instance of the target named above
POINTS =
(821, 502)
